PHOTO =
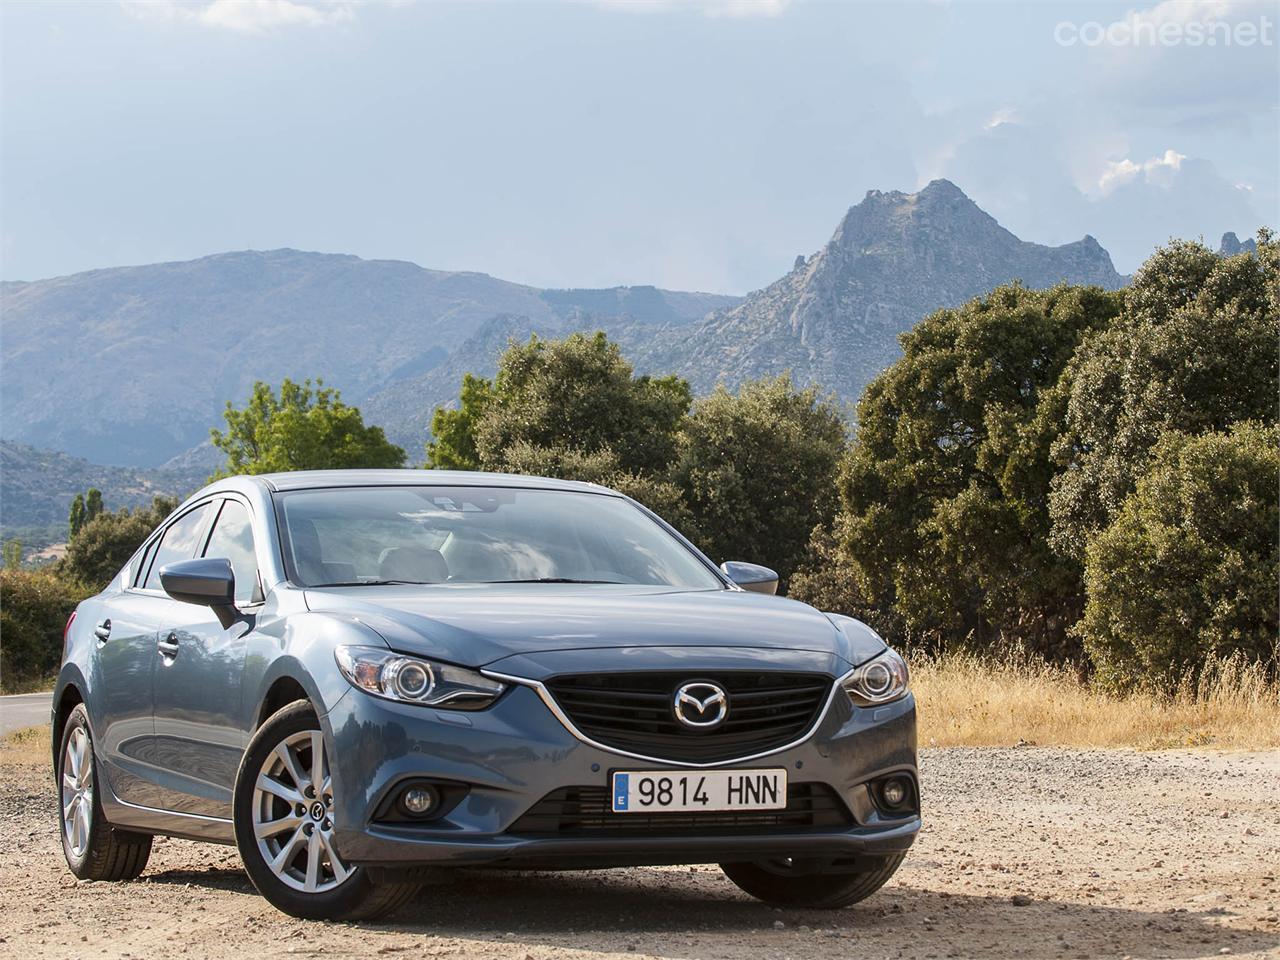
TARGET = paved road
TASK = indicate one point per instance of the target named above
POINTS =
(24, 710)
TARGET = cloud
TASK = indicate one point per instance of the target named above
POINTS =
(737, 9)
(245, 16)
(1160, 171)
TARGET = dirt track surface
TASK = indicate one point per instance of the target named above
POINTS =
(1108, 854)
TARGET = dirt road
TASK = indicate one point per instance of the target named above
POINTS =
(1026, 853)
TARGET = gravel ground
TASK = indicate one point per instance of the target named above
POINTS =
(1025, 853)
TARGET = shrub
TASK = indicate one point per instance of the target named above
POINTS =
(34, 608)
(105, 543)
(1188, 570)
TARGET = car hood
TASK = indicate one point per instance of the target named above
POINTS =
(481, 624)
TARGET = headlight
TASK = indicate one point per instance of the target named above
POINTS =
(413, 680)
(877, 681)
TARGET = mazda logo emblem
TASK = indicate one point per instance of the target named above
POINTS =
(701, 705)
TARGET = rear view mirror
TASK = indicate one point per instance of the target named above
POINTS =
(209, 582)
(751, 576)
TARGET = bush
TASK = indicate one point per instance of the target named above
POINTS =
(105, 543)
(757, 471)
(1188, 570)
(34, 608)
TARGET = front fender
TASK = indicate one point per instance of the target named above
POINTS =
(300, 648)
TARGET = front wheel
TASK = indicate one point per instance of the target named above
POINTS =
(283, 810)
(788, 883)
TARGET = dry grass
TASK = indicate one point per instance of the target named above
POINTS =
(966, 700)
(25, 747)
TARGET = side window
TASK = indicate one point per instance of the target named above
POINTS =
(232, 538)
(139, 572)
(178, 543)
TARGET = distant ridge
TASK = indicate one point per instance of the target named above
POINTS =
(895, 257)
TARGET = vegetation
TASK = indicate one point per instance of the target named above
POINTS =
(1006, 699)
(34, 607)
(746, 476)
(305, 428)
(1079, 473)
(106, 542)
(757, 471)
(950, 466)
(1087, 477)
(1187, 572)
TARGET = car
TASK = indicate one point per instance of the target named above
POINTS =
(364, 678)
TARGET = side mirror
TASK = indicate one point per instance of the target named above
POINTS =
(751, 576)
(209, 581)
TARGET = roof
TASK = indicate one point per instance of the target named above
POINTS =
(306, 479)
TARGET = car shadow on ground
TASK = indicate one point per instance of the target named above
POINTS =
(674, 911)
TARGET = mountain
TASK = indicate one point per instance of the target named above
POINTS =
(133, 365)
(835, 318)
(1231, 245)
(39, 486)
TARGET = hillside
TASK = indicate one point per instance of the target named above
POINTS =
(133, 365)
(895, 257)
(39, 486)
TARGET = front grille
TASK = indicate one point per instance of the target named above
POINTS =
(633, 712)
(586, 812)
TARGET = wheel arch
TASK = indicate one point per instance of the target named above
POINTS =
(68, 694)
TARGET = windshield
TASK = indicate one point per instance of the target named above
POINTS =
(359, 535)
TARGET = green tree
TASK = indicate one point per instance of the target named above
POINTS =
(84, 508)
(1188, 569)
(453, 431)
(75, 520)
(92, 503)
(1195, 351)
(573, 394)
(105, 543)
(305, 428)
(945, 490)
(757, 471)
(12, 554)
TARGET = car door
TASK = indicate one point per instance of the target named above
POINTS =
(125, 627)
(200, 734)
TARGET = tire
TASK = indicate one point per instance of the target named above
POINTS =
(780, 883)
(95, 850)
(284, 827)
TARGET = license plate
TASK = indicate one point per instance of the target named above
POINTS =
(677, 791)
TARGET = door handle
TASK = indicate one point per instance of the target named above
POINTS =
(169, 645)
(102, 631)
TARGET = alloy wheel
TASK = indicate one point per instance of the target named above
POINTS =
(77, 791)
(293, 815)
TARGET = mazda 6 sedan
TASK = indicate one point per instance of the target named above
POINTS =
(361, 678)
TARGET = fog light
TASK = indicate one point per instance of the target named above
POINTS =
(419, 801)
(894, 792)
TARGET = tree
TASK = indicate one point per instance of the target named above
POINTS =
(105, 543)
(306, 428)
(84, 508)
(757, 471)
(1188, 568)
(453, 431)
(1195, 351)
(574, 394)
(12, 554)
(945, 489)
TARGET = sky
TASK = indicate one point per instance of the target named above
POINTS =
(692, 144)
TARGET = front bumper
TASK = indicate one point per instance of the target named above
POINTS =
(516, 753)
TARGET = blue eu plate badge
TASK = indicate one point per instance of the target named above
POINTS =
(620, 791)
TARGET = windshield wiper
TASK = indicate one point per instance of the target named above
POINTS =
(552, 580)
(372, 583)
